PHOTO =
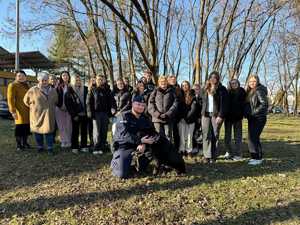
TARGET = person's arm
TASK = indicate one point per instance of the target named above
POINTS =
(127, 104)
(263, 100)
(173, 109)
(60, 97)
(193, 112)
(26, 98)
(90, 101)
(223, 104)
(152, 109)
(69, 103)
(11, 100)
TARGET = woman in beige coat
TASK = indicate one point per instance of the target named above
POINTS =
(41, 100)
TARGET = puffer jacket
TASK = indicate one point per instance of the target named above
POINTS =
(99, 99)
(163, 102)
(257, 103)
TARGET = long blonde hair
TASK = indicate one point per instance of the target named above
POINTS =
(250, 91)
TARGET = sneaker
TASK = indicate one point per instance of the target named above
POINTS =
(254, 162)
(75, 150)
(50, 151)
(19, 149)
(99, 152)
(27, 146)
(85, 150)
(237, 158)
(40, 149)
(227, 155)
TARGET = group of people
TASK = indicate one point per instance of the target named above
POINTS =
(160, 123)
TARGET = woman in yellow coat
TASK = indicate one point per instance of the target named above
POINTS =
(20, 112)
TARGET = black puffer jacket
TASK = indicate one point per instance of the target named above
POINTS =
(163, 102)
(236, 104)
(122, 100)
(99, 99)
(220, 102)
(257, 103)
(187, 112)
(73, 103)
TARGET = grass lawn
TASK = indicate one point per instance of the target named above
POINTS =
(79, 189)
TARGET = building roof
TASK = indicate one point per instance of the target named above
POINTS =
(28, 60)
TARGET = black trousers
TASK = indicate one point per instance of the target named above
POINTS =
(197, 136)
(22, 131)
(90, 131)
(255, 128)
(79, 126)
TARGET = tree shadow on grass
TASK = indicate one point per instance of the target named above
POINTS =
(198, 174)
(30, 168)
(261, 217)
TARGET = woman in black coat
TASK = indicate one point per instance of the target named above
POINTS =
(75, 100)
(256, 111)
(234, 119)
(122, 101)
(214, 109)
(187, 112)
(197, 136)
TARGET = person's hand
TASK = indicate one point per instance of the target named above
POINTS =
(113, 111)
(141, 148)
(163, 116)
(15, 116)
(76, 118)
(147, 140)
(219, 120)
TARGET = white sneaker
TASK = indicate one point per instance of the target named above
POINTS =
(237, 158)
(227, 155)
(254, 162)
(75, 151)
(84, 150)
(97, 152)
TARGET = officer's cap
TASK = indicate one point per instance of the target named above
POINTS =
(139, 99)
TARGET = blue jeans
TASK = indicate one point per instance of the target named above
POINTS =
(39, 138)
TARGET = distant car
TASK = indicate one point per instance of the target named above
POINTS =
(4, 112)
(277, 110)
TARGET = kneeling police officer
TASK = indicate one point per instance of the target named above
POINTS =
(136, 135)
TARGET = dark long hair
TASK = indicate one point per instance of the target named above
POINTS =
(208, 85)
(61, 82)
(188, 97)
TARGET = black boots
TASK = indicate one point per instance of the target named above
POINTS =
(22, 143)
